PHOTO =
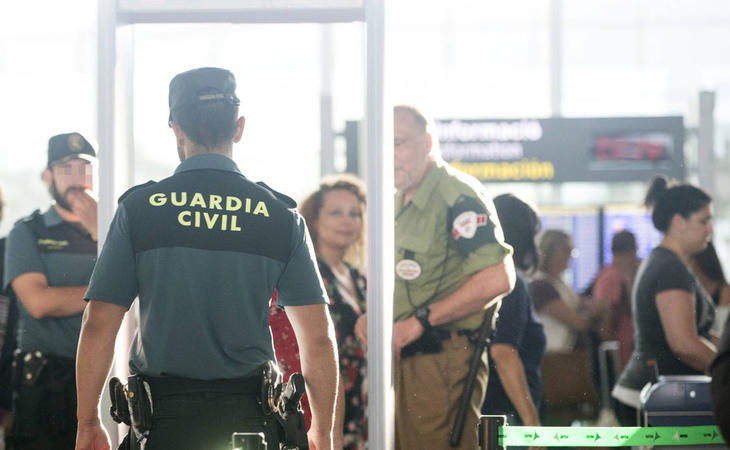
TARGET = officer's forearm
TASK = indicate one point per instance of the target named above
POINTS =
(60, 301)
(94, 356)
(476, 294)
(339, 420)
(319, 367)
(318, 353)
(41, 300)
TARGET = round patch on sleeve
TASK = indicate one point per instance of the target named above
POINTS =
(408, 269)
(470, 226)
(466, 224)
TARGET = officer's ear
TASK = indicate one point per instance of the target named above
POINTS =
(179, 134)
(240, 124)
(47, 177)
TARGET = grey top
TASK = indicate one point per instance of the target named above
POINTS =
(661, 271)
(204, 250)
(65, 253)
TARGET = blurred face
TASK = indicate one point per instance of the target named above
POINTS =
(561, 255)
(696, 230)
(340, 220)
(68, 178)
(411, 152)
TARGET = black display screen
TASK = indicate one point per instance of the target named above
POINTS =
(651, 147)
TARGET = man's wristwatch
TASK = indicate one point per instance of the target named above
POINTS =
(421, 315)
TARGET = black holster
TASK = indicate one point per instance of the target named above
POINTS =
(139, 398)
(282, 400)
(431, 341)
(44, 400)
(290, 416)
(131, 405)
(120, 407)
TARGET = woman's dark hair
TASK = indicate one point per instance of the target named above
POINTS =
(520, 225)
(312, 205)
(709, 263)
(208, 124)
(667, 199)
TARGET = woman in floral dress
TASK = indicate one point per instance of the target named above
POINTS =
(335, 217)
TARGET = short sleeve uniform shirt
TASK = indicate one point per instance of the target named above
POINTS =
(65, 253)
(204, 249)
(446, 233)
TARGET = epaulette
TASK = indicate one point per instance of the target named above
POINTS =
(134, 188)
(31, 218)
(288, 201)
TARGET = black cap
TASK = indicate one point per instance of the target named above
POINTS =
(202, 85)
(67, 146)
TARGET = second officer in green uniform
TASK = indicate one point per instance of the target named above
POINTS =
(450, 264)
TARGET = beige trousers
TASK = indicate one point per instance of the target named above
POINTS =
(428, 389)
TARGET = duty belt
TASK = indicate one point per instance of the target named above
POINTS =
(161, 386)
(133, 403)
(431, 341)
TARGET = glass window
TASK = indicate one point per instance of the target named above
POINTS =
(48, 67)
(278, 72)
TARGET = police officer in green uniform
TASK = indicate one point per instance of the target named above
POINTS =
(204, 250)
(450, 264)
(48, 261)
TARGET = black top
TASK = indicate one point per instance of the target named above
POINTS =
(661, 271)
(519, 326)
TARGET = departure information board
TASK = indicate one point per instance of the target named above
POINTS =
(635, 220)
(583, 227)
(591, 230)
(561, 149)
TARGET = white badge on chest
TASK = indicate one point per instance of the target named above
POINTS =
(408, 269)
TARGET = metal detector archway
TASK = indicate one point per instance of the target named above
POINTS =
(115, 135)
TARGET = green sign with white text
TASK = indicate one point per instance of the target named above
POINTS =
(608, 436)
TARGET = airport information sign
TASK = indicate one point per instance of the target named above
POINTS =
(565, 149)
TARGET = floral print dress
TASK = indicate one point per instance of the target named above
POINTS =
(345, 311)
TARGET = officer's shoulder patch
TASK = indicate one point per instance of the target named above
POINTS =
(31, 218)
(470, 224)
(134, 188)
(288, 201)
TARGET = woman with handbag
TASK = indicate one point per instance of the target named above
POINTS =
(569, 392)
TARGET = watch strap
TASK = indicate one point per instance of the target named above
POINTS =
(421, 315)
